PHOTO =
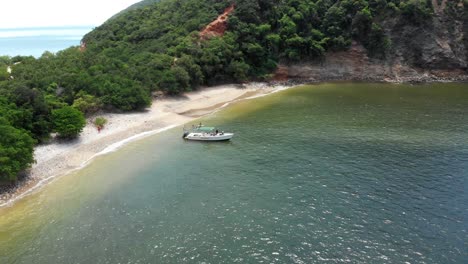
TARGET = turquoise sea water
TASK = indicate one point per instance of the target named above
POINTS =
(330, 173)
(34, 41)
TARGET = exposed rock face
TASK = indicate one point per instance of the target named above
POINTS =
(439, 9)
(218, 26)
(435, 51)
(355, 65)
(437, 45)
(282, 74)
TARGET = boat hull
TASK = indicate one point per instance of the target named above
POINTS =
(208, 137)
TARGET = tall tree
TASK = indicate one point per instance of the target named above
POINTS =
(16, 151)
(68, 122)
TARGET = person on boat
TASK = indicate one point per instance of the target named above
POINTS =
(216, 132)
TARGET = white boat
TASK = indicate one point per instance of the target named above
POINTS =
(204, 133)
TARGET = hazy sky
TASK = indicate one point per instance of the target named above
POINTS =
(41, 13)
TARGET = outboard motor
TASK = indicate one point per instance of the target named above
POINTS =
(185, 134)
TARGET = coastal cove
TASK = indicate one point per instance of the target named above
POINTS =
(332, 172)
(60, 157)
(234, 131)
(172, 47)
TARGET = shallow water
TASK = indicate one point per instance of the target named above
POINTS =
(343, 172)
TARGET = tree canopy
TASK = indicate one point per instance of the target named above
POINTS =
(68, 122)
(16, 151)
(155, 46)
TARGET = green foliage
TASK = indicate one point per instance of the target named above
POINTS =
(5, 60)
(216, 55)
(155, 45)
(377, 43)
(100, 122)
(273, 39)
(124, 94)
(239, 70)
(287, 27)
(16, 151)
(194, 71)
(31, 108)
(175, 80)
(4, 75)
(362, 23)
(416, 11)
(87, 103)
(68, 122)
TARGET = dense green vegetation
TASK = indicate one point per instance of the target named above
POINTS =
(137, 5)
(68, 122)
(16, 151)
(155, 46)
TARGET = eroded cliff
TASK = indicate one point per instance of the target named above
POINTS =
(436, 51)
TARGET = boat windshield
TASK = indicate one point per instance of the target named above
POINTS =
(205, 129)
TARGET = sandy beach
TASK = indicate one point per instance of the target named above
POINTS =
(59, 158)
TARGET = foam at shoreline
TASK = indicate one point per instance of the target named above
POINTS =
(112, 148)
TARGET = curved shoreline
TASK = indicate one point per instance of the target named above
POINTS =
(114, 147)
(57, 159)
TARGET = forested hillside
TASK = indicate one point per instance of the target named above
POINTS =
(137, 5)
(156, 46)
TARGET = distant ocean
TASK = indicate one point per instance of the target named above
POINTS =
(34, 41)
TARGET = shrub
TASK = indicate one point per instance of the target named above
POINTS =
(99, 122)
(87, 103)
(16, 151)
(416, 11)
(68, 122)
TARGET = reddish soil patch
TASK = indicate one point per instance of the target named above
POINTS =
(281, 74)
(218, 26)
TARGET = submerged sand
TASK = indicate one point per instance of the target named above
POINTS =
(58, 158)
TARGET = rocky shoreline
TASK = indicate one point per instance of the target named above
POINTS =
(411, 80)
(355, 65)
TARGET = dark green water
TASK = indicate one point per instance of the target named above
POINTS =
(331, 173)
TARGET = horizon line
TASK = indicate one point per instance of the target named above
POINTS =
(45, 27)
